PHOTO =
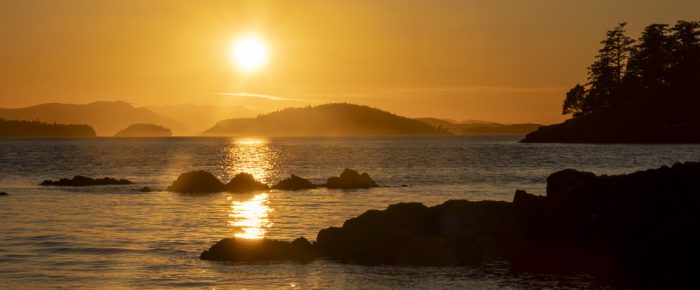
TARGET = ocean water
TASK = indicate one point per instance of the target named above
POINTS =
(118, 237)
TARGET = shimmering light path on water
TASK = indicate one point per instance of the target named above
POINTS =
(115, 236)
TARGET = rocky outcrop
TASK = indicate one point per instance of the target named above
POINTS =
(616, 129)
(86, 181)
(196, 182)
(638, 229)
(351, 179)
(244, 182)
(2, 193)
(456, 232)
(205, 182)
(294, 183)
(247, 250)
(560, 182)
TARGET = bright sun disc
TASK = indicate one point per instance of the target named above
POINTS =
(249, 53)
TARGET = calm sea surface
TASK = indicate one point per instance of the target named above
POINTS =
(117, 237)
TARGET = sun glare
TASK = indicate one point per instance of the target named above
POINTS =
(249, 53)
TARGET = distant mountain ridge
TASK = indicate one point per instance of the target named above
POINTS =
(336, 119)
(105, 117)
(198, 118)
(476, 128)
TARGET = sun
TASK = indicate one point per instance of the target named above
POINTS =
(249, 53)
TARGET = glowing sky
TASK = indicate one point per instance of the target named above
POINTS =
(499, 60)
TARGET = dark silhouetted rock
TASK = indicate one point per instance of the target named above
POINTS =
(559, 182)
(146, 189)
(2, 193)
(639, 230)
(248, 250)
(294, 183)
(351, 179)
(86, 181)
(196, 182)
(413, 234)
(244, 182)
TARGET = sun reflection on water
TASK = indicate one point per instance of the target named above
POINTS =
(251, 217)
(249, 155)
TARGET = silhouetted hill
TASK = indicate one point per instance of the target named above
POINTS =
(198, 118)
(105, 117)
(17, 128)
(324, 120)
(144, 130)
(477, 128)
(638, 91)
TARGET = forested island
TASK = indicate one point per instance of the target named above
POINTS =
(144, 130)
(325, 120)
(18, 128)
(638, 91)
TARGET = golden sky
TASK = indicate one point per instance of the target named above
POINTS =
(499, 60)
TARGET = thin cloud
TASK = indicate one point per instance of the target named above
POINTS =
(261, 96)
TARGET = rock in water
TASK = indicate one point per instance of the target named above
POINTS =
(249, 250)
(294, 183)
(350, 179)
(244, 182)
(2, 193)
(196, 182)
(86, 181)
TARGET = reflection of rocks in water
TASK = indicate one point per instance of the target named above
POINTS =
(146, 189)
(294, 183)
(86, 181)
(351, 179)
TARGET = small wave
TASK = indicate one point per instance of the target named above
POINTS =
(93, 251)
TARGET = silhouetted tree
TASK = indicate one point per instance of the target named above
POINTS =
(605, 75)
(573, 101)
(645, 90)
(649, 65)
(684, 74)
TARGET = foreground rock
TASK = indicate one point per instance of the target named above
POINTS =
(246, 250)
(641, 230)
(244, 182)
(205, 182)
(294, 183)
(2, 193)
(86, 181)
(351, 179)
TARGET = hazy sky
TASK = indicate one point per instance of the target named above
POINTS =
(500, 60)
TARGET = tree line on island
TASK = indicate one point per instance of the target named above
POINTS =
(645, 90)
(18, 128)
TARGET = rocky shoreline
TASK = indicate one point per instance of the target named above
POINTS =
(636, 229)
